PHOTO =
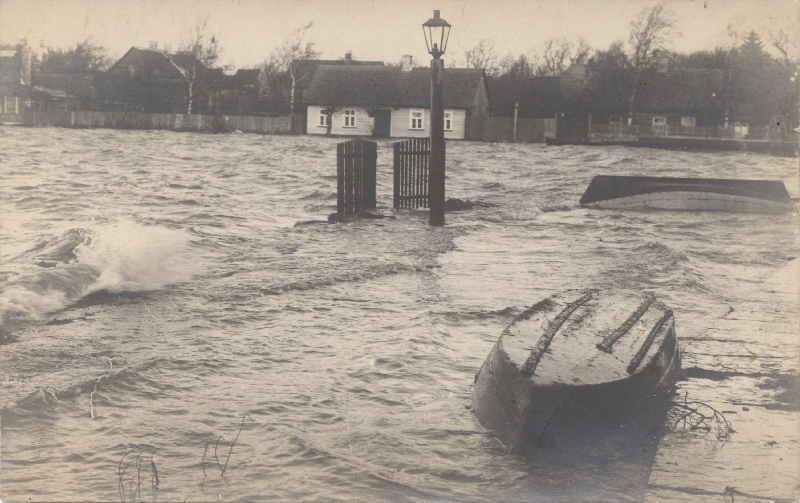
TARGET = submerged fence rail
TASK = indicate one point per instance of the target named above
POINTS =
(173, 122)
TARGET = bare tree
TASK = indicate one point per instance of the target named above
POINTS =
(651, 30)
(555, 55)
(483, 56)
(206, 51)
(283, 58)
(521, 66)
(786, 45)
(581, 52)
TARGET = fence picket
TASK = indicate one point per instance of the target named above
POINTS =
(356, 164)
(411, 173)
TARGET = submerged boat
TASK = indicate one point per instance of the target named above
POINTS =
(643, 192)
(594, 353)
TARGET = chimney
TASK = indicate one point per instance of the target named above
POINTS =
(348, 58)
(167, 47)
(153, 45)
(407, 63)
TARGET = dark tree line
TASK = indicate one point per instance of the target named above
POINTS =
(743, 82)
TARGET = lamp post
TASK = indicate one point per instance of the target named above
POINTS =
(437, 32)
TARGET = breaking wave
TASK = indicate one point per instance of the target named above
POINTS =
(119, 257)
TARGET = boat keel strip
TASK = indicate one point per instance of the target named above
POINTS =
(637, 359)
(544, 341)
(623, 329)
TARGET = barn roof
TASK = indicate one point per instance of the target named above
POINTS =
(372, 86)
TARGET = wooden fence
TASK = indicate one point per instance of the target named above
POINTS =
(356, 165)
(173, 122)
(411, 161)
(503, 129)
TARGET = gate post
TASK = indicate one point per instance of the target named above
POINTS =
(340, 179)
(370, 175)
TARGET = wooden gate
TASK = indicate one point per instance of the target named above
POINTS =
(411, 159)
(356, 162)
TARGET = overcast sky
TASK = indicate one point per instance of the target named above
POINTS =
(375, 29)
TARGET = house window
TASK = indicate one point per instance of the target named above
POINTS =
(448, 120)
(324, 119)
(687, 121)
(416, 119)
(659, 121)
(349, 118)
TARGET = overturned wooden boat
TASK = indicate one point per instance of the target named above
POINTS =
(594, 353)
(716, 194)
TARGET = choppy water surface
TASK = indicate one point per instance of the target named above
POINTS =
(164, 294)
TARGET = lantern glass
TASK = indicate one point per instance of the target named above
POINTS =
(437, 32)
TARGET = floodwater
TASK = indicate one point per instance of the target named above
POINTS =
(177, 327)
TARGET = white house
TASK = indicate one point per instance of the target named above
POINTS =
(391, 101)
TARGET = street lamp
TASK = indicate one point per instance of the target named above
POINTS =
(437, 32)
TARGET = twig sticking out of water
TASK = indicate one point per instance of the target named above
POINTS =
(234, 442)
(222, 468)
(134, 489)
(700, 416)
(215, 452)
(203, 462)
(91, 396)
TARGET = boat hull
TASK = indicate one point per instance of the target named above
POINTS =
(692, 194)
(523, 414)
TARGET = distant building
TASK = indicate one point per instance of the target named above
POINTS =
(15, 80)
(158, 81)
(684, 97)
(238, 94)
(533, 97)
(305, 69)
(391, 101)
(66, 91)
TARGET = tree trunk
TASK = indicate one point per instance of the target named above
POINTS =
(189, 108)
(291, 95)
(633, 95)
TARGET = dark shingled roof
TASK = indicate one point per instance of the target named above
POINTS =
(372, 86)
(247, 77)
(538, 97)
(160, 63)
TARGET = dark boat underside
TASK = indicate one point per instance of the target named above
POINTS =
(606, 382)
(697, 194)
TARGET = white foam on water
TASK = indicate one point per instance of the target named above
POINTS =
(123, 256)
(131, 257)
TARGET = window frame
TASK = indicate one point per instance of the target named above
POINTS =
(324, 119)
(448, 120)
(412, 119)
(349, 113)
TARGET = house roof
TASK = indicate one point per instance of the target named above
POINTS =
(182, 62)
(247, 78)
(537, 96)
(309, 66)
(371, 86)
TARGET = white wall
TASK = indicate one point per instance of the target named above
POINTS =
(364, 123)
(401, 129)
